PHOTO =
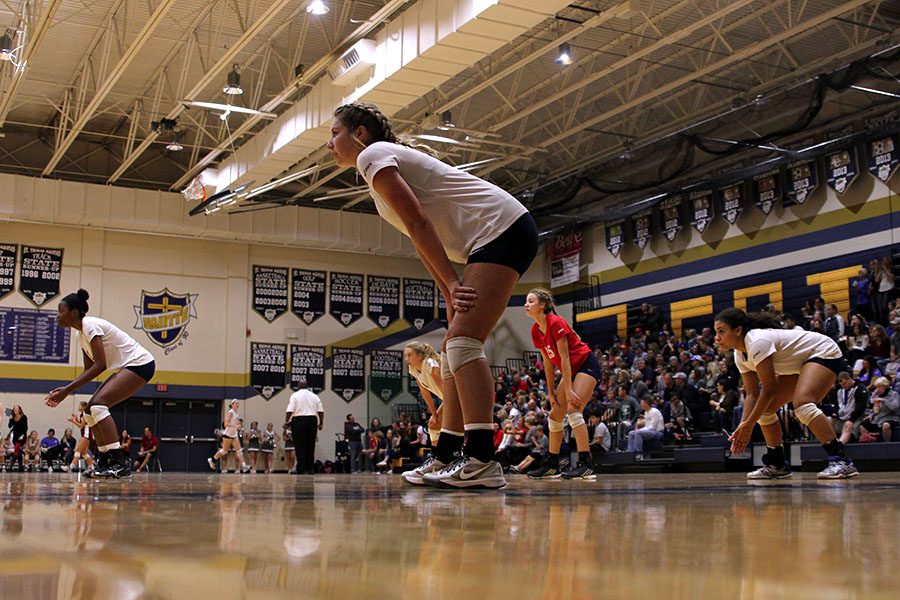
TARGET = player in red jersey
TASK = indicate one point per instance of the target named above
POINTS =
(561, 348)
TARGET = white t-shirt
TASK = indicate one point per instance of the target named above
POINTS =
(601, 432)
(653, 419)
(120, 348)
(425, 378)
(304, 403)
(233, 418)
(467, 212)
(789, 349)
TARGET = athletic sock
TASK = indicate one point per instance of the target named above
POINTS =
(585, 458)
(834, 449)
(449, 443)
(552, 461)
(479, 444)
(776, 456)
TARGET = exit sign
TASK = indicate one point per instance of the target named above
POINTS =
(162, 387)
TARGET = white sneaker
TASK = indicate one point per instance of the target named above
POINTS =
(838, 469)
(245, 468)
(415, 476)
(381, 464)
(770, 472)
(468, 472)
(211, 463)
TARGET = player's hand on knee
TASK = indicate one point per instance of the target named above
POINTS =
(462, 298)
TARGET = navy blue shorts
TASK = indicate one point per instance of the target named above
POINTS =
(515, 248)
(591, 366)
(145, 372)
(838, 365)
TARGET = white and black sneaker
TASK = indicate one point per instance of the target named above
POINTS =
(545, 472)
(838, 468)
(771, 472)
(467, 473)
(415, 476)
(580, 472)
(211, 463)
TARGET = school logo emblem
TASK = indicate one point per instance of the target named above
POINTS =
(164, 317)
(384, 321)
(268, 391)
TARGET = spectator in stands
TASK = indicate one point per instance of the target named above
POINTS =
(691, 399)
(67, 446)
(884, 411)
(601, 440)
(638, 389)
(540, 446)
(723, 405)
(852, 401)
(861, 287)
(32, 451)
(857, 338)
(868, 372)
(50, 449)
(834, 324)
(649, 427)
(790, 322)
(149, 448)
(18, 426)
(125, 444)
(879, 344)
(679, 422)
(884, 280)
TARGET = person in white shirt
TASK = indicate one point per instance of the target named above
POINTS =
(231, 439)
(451, 216)
(305, 415)
(648, 427)
(780, 366)
(602, 438)
(104, 347)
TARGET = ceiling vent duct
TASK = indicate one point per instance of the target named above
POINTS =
(354, 61)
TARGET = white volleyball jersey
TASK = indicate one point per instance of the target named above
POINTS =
(789, 349)
(120, 348)
(467, 212)
(425, 377)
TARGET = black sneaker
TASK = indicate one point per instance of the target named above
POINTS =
(545, 472)
(115, 471)
(580, 472)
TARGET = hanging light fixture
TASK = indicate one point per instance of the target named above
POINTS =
(446, 121)
(175, 144)
(7, 50)
(317, 7)
(233, 87)
(565, 54)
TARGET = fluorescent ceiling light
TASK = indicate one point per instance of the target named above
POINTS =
(437, 138)
(874, 91)
(229, 108)
(317, 7)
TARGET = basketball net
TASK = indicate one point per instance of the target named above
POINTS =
(195, 191)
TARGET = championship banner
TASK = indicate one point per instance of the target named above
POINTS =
(802, 182)
(386, 373)
(615, 236)
(841, 169)
(767, 190)
(418, 302)
(731, 198)
(442, 311)
(308, 364)
(267, 368)
(308, 294)
(348, 372)
(702, 209)
(642, 227)
(671, 219)
(8, 255)
(270, 291)
(564, 254)
(883, 157)
(346, 297)
(39, 274)
(383, 299)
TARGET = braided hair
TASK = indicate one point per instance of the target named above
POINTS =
(546, 298)
(368, 115)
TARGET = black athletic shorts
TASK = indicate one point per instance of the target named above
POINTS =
(838, 365)
(145, 372)
(515, 248)
(590, 366)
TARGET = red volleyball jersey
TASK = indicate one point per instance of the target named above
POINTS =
(557, 329)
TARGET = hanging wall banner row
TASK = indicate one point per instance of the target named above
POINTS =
(39, 272)
(279, 289)
(789, 186)
(273, 366)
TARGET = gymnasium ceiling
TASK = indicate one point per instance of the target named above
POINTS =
(649, 79)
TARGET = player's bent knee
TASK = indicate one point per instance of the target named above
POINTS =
(554, 425)
(807, 413)
(463, 350)
(576, 419)
(767, 419)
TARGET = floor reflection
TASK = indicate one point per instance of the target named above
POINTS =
(688, 536)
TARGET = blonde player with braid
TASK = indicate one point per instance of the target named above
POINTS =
(562, 349)
(451, 217)
(425, 366)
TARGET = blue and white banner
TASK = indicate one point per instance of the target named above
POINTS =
(164, 317)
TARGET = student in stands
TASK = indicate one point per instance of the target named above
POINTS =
(884, 410)
(780, 366)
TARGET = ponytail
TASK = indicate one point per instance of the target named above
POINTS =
(735, 317)
(380, 129)
(426, 350)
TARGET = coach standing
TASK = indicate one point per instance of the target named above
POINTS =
(304, 416)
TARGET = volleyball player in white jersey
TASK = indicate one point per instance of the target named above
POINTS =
(780, 366)
(451, 217)
(425, 366)
(83, 445)
(104, 346)
(230, 439)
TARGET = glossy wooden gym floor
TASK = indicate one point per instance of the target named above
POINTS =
(365, 536)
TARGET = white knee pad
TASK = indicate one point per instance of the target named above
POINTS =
(807, 413)
(767, 419)
(98, 413)
(576, 419)
(555, 426)
(446, 373)
(463, 350)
